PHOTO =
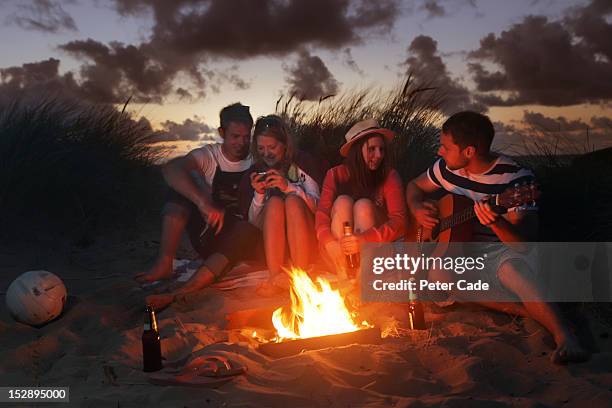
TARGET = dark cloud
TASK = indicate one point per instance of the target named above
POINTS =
(553, 63)
(188, 34)
(41, 15)
(590, 24)
(433, 9)
(349, 61)
(309, 79)
(601, 122)
(245, 28)
(539, 121)
(184, 94)
(40, 78)
(425, 64)
(118, 71)
(190, 129)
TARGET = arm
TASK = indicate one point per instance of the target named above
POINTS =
(323, 213)
(513, 227)
(423, 211)
(309, 192)
(178, 175)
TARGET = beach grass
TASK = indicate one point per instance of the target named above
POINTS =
(71, 166)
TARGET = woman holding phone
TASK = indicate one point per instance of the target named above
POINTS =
(280, 196)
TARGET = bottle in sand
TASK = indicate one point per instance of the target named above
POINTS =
(352, 260)
(416, 317)
(151, 346)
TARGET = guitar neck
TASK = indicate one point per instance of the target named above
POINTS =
(457, 218)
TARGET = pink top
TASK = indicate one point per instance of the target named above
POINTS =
(389, 199)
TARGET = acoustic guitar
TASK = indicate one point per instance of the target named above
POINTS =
(454, 212)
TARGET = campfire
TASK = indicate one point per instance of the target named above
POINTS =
(317, 317)
(315, 310)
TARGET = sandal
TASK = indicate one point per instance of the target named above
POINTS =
(210, 371)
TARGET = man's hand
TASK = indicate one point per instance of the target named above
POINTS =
(485, 213)
(258, 184)
(349, 244)
(426, 214)
(214, 217)
(275, 179)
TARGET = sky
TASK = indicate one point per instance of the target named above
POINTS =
(528, 64)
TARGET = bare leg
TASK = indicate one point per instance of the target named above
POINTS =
(364, 214)
(274, 234)
(300, 231)
(205, 276)
(342, 211)
(514, 276)
(173, 225)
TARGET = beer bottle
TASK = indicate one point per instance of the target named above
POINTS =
(416, 318)
(151, 346)
(352, 260)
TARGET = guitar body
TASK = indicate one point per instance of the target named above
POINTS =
(448, 205)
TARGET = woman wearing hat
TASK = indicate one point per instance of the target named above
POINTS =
(280, 195)
(363, 191)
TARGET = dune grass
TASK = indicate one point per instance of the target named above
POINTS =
(576, 183)
(67, 165)
(411, 111)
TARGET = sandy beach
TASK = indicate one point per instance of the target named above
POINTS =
(467, 357)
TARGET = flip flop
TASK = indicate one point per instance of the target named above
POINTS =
(209, 371)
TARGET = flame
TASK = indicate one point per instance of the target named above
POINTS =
(316, 310)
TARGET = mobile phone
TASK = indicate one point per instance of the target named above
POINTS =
(261, 176)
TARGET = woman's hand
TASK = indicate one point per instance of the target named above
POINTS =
(349, 244)
(275, 179)
(258, 183)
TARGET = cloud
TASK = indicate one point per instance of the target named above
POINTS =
(309, 79)
(601, 122)
(554, 63)
(187, 35)
(349, 61)
(559, 124)
(433, 9)
(191, 129)
(42, 15)
(426, 65)
(267, 27)
(118, 71)
(38, 79)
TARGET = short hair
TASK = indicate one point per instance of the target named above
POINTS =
(236, 112)
(470, 129)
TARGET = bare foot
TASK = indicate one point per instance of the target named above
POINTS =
(569, 351)
(162, 269)
(267, 289)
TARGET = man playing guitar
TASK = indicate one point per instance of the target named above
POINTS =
(468, 168)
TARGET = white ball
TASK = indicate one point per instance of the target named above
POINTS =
(36, 297)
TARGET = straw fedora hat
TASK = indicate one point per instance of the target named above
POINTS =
(362, 129)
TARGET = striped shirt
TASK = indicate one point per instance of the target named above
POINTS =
(503, 173)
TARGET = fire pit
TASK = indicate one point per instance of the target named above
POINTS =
(317, 318)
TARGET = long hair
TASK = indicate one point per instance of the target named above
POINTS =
(273, 126)
(365, 182)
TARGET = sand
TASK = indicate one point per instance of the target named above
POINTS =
(468, 357)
